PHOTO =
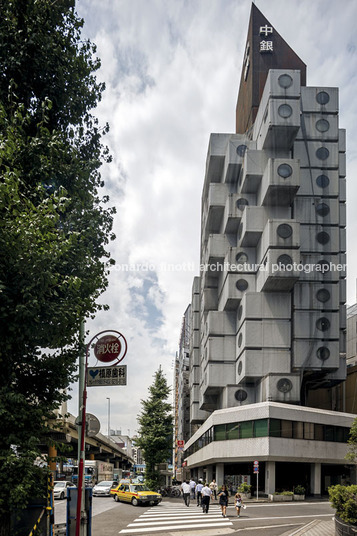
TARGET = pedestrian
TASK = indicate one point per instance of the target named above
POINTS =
(238, 503)
(206, 493)
(223, 500)
(214, 487)
(198, 491)
(185, 486)
(192, 487)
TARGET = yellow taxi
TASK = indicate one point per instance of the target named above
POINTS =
(135, 494)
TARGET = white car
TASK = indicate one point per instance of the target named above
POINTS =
(60, 489)
(102, 489)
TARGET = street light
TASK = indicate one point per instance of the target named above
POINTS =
(108, 418)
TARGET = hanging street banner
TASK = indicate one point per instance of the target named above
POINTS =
(97, 376)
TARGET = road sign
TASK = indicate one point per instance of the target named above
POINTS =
(180, 443)
(92, 424)
(97, 376)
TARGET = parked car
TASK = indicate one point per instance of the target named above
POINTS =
(102, 489)
(60, 489)
(135, 494)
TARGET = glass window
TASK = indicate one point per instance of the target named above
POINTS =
(323, 323)
(298, 430)
(242, 284)
(285, 170)
(323, 295)
(339, 434)
(322, 209)
(285, 260)
(261, 428)
(240, 395)
(241, 149)
(241, 257)
(284, 230)
(328, 433)
(220, 432)
(286, 428)
(233, 430)
(322, 153)
(285, 111)
(308, 430)
(322, 181)
(274, 427)
(322, 125)
(246, 429)
(285, 81)
(319, 432)
(323, 238)
(322, 97)
(241, 203)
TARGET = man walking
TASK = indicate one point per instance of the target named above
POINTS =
(185, 486)
(192, 487)
(206, 496)
(198, 490)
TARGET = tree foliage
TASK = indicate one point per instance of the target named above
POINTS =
(54, 225)
(352, 443)
(156, 428)
(344, 500)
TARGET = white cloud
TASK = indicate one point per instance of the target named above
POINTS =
(172, 72)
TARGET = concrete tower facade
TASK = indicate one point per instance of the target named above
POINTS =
(269, 306)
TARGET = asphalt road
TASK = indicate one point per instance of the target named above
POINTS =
(172, 518)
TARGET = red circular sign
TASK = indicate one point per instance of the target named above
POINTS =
(107, 348)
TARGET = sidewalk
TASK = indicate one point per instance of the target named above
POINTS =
(315, 528)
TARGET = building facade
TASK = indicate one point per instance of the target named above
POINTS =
(268, 310)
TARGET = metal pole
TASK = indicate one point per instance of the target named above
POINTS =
(108, 418)
(257, 485)
(81, 366)
(82, 400)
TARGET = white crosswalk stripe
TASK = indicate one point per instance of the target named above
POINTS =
(170, 517)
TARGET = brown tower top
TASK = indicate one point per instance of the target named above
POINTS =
(265, 49)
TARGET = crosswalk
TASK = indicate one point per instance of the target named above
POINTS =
(169, 517)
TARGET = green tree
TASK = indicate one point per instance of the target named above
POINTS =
(352, 442)
(155, 435)
(54, 226)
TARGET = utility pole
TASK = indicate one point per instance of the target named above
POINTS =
(108, 398)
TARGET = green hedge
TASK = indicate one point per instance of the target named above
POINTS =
(344, 500)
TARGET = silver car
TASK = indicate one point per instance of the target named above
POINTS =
(102, 489)
(60, 489)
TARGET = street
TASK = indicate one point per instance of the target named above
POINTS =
(172, 517)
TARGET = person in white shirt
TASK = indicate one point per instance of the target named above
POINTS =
(185, 486)
(206, 496)
(198, 491)
(192, 486)
(214, 487)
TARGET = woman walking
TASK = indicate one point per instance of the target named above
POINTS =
(238, 503)
(223, 500)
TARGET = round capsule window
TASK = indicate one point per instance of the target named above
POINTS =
(285, 111)
(322, 97)
(240, 312)
(322, 153)
(322, 181)
(285, 171)
(240, 366)
(323, 238)
(323, 324)
(240, 395)
(285, 260)
(322, 209)
(285, 81)
(323, 295)
(241, 258)
(241, 203)
(322, 125)
(322, 266)
(242, 284)
(323, 353)
(240, 340)
(284, 385)
(241, 149)
(284, 230)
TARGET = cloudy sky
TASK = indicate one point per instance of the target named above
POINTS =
(172, 70)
